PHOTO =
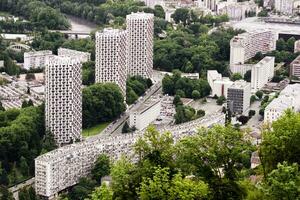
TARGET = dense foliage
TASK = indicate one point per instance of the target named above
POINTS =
(190, 49)
(184, 87)
(101, 103)
(22, 139)
(136, 86)
(36, 12)
(187, 170)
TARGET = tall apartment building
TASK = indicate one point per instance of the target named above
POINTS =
(238, 97)
(262, 72)
(140, 28)
(219, 85)
(81, 56)
(244, 46)
(295, 68)
(63, 99)
(36, 59)
(289, 98)
(111, 54)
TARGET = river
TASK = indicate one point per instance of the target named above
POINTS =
(79, 25)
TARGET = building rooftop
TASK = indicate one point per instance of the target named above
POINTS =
(146, 106)
(240, 84)
(140, 15)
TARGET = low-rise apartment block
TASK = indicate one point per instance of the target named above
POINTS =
(36, 59)
(295, 68)
(79, 55)
(289, 98)
(219, 85)
(145, 114)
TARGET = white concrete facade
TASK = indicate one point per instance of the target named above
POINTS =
(143, 116)
(36, 59)
(289, 98)
(63, 99)
(140, 30)
(262, 72)
(219, 85)
(238, 97)
(244, 46)
(295, 67)
(236, 10)
(63, 167)
(80, 55)
(284, 6)
(111, 57)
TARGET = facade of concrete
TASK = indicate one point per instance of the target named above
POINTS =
(244, 46)
(36, 59)
(289, 98)
(219, 85)
(295, 68)
(63, 99)
(262, 73)
(80, 55)
(144, 115)
(140, 29)
(111, 56)
(238, 97)
(63, 167)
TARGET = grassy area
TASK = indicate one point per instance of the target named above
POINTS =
(95, 129)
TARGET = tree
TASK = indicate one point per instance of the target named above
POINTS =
(247, 76)
(283, 138)
(102, 193)
(102, 168)
(243, 119)
(24, 166)
(251, 113)
(1, 107)
(283, 182)
(125, 128)
(82, 189)
(181, 15)
(177, 101)
(252, 98)
(196, 94)
(236, 76)
(259, 94)
(212, 149)
(221, 99)
(30, 76)
(101, 103)
(159, 11)
(161, 186)
(5, 194)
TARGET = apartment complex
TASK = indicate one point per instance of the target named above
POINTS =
(236, 10)
(145, 114)
(284, 6)
(140, 28)
(81, 56)
(36, 59)
(262, 72)
(63, 99)
(244, 46)
(297, 46)
(219, 85)
(238, 97)
(295, 68)
(289, 98)
(111, 56)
